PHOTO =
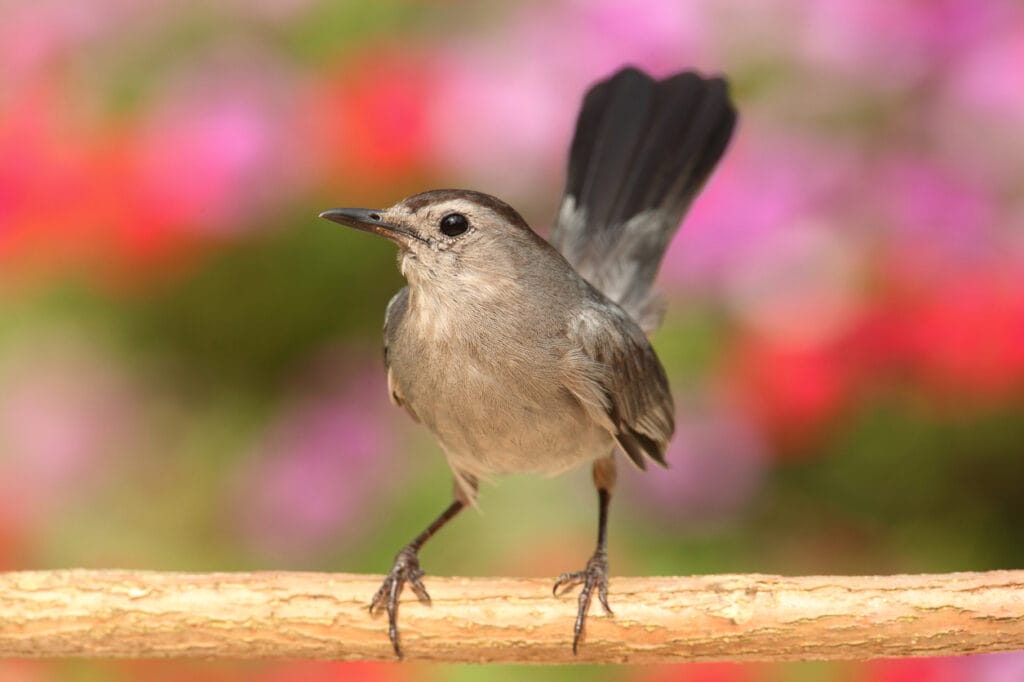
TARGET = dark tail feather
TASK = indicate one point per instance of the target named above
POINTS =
(641, 152)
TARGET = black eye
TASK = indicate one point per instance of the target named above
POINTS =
(454, 224)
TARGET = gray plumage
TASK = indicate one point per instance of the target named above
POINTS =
(641, 152)
(525, 356)
(514, 361)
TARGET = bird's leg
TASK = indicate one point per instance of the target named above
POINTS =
(595, 575)
(406, 568)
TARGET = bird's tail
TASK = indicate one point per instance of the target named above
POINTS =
(641, 152)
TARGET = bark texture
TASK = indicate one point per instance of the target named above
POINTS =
(324, 616)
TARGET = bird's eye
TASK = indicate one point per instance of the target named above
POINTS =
(454, 224)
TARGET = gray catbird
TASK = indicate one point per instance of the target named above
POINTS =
(527, 356)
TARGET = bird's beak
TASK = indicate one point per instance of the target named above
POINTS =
(369, 220)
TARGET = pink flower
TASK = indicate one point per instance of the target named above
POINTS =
(1004, 667)
(977, 120)
(931, 209)
(767, 183)
(915, 670)
(501, 121)
(717, 463)
(984, 79)
(322, 466)
(65, 412)
(34, 36)
(929, 221)
(214, 153)
(895, 43)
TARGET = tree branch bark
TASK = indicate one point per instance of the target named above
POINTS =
(324, 616)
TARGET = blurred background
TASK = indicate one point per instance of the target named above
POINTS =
(190, 365)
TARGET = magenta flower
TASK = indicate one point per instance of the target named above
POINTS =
(717, 463)
(1004, 667)
(65, 413)
(490, 103)
(321, 467)
(893, 43)
(768, 182)
(215, 150)
(977, 121)
(985, 78)
(934, 214)
(36, 35)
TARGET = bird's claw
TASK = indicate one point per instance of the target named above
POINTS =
(594, 575)
(406, 569)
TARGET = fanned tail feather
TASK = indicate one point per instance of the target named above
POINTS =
(641, 152)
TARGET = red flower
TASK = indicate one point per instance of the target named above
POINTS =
(65, 199)
(968, 340)
(792, 391)
(369, 122)
(914, 670)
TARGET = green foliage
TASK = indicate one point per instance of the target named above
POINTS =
(253, 313)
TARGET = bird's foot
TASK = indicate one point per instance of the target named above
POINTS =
(594, 575)
(406, 569)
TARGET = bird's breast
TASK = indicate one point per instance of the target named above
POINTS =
(492, 393)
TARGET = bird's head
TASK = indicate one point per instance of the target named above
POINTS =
(449, 234)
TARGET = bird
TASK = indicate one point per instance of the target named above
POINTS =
(533, 356)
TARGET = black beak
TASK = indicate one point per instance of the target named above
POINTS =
(369, 220)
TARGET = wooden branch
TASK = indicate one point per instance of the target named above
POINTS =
(324, 616)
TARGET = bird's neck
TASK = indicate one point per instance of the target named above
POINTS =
(464, 290)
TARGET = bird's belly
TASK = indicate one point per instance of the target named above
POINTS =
(533, 444)
(493, 422)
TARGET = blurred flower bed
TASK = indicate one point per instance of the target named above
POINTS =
(190, 372)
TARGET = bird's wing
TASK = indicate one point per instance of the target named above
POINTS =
(393, 317)
(613, 371)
